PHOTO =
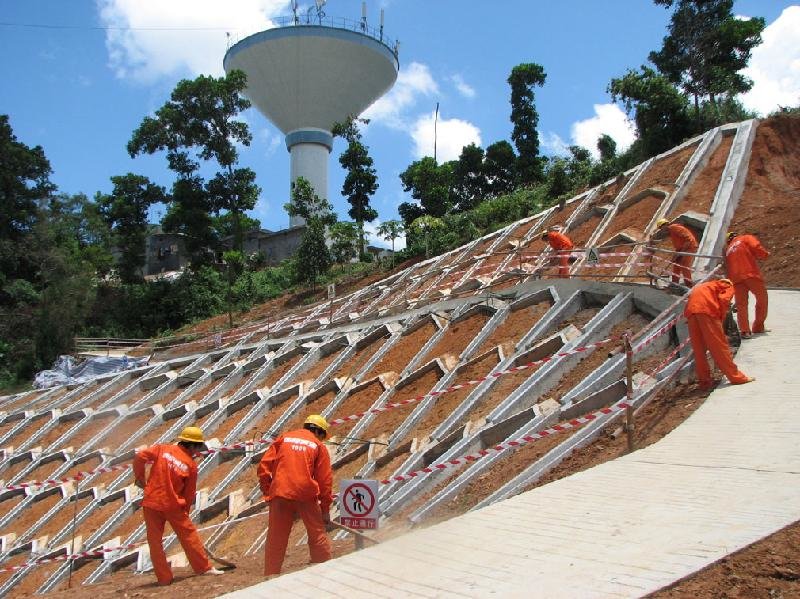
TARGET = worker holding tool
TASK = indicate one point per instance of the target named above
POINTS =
(741, 254)
(296, 479)
(168, 497)
(683, 240)
(563, 245)
(707, 305)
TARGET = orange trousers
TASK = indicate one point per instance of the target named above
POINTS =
(187, 535)
(681, 267)
(705, 333)
(741, 291)
(281, 517)
(563, 264)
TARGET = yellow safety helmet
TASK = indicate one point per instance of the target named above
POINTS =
(661, 222)
(319, 422)
(730, 235)
(545, 235)
(191, 434)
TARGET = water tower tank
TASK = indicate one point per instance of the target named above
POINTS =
(304, 77)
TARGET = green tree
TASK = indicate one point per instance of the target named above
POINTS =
(24, 182)
(125, 212)
(361, 182)
(189, 213)
(346, 239)
(426, 228)
(524, 77)
(391, 230)
(660, 110)
(223, 224)
(306, 204)
(409, 212)
(430, 184)
(313, 258)
(499, 169)
(199, 122)
(706, 49)
(607, 147)
(469, 179)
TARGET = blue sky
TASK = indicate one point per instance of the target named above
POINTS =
(79, 76)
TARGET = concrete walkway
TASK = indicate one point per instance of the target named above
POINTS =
(727, 477)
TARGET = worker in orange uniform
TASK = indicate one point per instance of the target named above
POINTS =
(563, 245)
(741, 254)
(706, 308)
(296, 479)
(168, 497)
(683, 240)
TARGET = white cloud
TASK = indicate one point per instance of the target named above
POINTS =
(272, 141)
(775, 65)
(553, 144)
(150, 39)
(464, 88)
(608, 119)
(413, 82)
(451, 136)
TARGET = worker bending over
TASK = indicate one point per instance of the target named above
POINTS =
(296, 479)
(706, 308)
(563, 246)
(168, 497)
(741, 254)
(683, 240)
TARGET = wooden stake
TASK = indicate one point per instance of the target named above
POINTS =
(629, 424)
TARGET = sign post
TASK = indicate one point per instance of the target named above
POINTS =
(358, 505)
(331, 296)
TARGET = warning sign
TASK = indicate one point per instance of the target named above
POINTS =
(592, 257)
(358, 504)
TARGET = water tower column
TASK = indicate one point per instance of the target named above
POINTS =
(309, 150)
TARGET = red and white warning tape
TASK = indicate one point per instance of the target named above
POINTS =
(391, 406)
(513, 444)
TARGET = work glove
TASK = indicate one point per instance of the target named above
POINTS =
(139, 483)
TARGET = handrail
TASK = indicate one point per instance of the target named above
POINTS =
(322, 20)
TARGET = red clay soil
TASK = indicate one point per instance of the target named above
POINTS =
(319, 367)
(30, 515)
(403, 351)
(278, 372)
(664, 172)
(516, 324)
(447, 403)
(351, 366)
(315, 407)
(457, 336)
(266, 420)
(26, 432)
(386, 423)
(702, 190)
(14, 469)
(769, 205)
(360, 401)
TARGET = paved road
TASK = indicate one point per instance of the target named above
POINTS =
(727, 477)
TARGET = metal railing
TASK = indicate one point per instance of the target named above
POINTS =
(106, 344)
(359, 26)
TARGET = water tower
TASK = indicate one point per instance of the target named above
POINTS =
(309, 72)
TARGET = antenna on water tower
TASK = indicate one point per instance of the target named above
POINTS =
(381, 24)
(435, 122)
(363, 16)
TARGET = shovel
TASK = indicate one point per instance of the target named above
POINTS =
(226, 564)
(354, 532)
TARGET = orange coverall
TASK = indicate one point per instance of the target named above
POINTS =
(562, 244)
(296, 478)
(740, 262)
(705, 310)
(683, 240)
(168, 497)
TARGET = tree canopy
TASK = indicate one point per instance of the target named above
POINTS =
(523, 79)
